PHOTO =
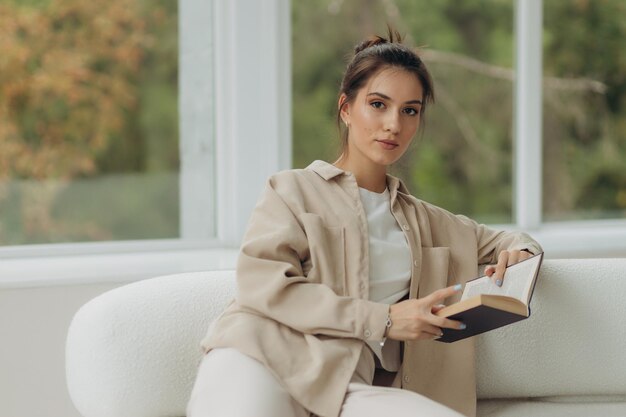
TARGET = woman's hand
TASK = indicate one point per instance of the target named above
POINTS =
(505, 258)
(416, 319)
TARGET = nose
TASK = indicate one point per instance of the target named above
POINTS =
(392, 122)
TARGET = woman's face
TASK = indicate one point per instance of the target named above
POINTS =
(383, 118)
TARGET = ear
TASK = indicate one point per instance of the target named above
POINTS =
(344, 108)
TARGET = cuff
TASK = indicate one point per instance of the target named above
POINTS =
(372, 320)
(527, 244)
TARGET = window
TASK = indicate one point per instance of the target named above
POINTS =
(528, 130)
(222, 155)
(584, 101)
(89, 121)
(205, 157)
(462, 160)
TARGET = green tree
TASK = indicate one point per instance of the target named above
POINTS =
(463, 158)
(87, 89)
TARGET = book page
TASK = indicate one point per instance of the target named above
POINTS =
(517, 282)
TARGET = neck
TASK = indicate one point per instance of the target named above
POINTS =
(372, 177)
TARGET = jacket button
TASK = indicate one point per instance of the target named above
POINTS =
(406, 227)
(406, 378)
(415, 263)
(367, 333)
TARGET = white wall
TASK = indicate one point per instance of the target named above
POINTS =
(40, 295)
(33, 328)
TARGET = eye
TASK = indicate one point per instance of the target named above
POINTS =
(377, 104)
(411, 111)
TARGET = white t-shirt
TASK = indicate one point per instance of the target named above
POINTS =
(390, 265)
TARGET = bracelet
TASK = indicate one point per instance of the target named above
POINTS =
(388, 325)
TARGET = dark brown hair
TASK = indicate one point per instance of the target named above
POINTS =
(373, 55)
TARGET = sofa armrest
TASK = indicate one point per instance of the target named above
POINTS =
(134, 351)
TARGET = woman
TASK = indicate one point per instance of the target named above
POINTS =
(341, 272)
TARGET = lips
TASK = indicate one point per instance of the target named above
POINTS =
(388, 144)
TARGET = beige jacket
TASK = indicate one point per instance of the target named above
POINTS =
(302, 304)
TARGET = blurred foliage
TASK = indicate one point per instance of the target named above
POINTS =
(89, 109)
(585, 125)
(462, 159)
(87, 90)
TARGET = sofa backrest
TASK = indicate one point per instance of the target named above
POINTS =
(134, 351)
(574, 342)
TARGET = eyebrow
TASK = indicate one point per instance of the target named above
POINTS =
(389, 98)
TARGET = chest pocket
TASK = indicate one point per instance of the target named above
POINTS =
(436, 270)
(326, 263)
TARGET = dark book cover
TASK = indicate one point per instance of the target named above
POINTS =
(490, 310)
(479, 319)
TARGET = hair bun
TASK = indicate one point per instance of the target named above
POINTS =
(369, 42)
(393, 37)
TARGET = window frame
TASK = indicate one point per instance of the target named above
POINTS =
(220, 151)
(236, 131)
(584, 238)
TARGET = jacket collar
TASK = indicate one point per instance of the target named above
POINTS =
(325, 170)
(329, 171)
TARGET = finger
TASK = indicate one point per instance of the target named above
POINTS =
(432, 331)
(501, 267)
(514, 257)
(437, 308)
(437, 296)
(490, 270)
(425, 330)
(444, 323)
(429, 332)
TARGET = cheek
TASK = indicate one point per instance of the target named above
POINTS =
(370, 121)
(412, 127)
(367, 121)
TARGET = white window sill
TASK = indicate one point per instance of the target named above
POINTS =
(99, 268)
(581, 239)
(123, 262)
(584, 239)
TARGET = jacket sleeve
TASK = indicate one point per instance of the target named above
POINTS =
(271, 282)
(491, 242)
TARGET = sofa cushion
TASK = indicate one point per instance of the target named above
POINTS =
(538, 407)
(573, 343)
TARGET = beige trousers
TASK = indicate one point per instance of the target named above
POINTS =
(231, 384)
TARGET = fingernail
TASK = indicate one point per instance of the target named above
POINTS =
(457, 287)
(462, 326)
(499, 282)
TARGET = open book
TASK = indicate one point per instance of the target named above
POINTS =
(484, 306)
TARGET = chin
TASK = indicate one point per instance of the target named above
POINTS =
(387, 158)
(384, 161)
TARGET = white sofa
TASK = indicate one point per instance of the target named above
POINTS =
(133, 351)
